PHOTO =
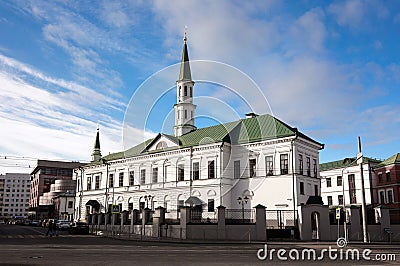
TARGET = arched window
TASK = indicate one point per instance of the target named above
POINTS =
(179, 91)
(191, 91)
(161, 145)
(185, 91)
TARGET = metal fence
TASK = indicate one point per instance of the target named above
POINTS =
(280, 219)
(237, 216)
(198, 217)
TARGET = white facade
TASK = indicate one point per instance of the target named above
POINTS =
(157, 175)
(14, 195)
(345, 177)
(258, 158)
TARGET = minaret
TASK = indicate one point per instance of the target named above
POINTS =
(96, 154)
(184, 108)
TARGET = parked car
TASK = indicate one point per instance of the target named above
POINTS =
(2, 222)
(79, 228)
(62, 224)
(27, 222)
(35, 222)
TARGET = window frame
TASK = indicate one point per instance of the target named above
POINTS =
(196, 171)
(236, 169)
(284, 163)
(211, 169)
(269, 165)
(252, 167)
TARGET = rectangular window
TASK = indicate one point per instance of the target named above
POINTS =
(382, 197)
(185, 114)
(142, 176)
(210, 205)
(211, 169)
(339, 181)
(196, 171)
(315, 167)
(155, 175)
(330, 200)
(236, 169)
(269, 164)
(388, 177)
(301, 188)
(131, 178)
(70, 204)
(111, 180)
(300, 164)
(97, 184)
(390, 196)
(252, 167)
(121, 179)
(89, 183)
(340, 199)
(352, 189)
(308, 166)
(284, 164)
(181, 172)
(316, 192)
(328, 182)
(380, 177)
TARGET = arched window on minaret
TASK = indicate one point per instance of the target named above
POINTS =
(179, 91)
(185, 91)
(190, 91)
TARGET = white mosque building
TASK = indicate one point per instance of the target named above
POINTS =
(255, 160)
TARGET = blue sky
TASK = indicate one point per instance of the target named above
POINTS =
(329, 68)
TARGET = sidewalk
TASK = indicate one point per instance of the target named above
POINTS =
(139, 238)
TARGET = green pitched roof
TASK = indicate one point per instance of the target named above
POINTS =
(395, 159)
(344, 163)
(247, 130)
(185, 73)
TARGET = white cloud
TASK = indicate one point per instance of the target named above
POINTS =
(358, 14)
(308, 33)
(217, 30)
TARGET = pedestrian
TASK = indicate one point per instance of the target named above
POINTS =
(54, 228)
(50, 230)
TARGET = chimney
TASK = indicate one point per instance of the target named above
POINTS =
(251, 115)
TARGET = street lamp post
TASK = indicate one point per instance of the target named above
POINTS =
(242, 201)
(147, 198)
(107, 186)
(343, 183)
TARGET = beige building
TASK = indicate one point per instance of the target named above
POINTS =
(43, 180)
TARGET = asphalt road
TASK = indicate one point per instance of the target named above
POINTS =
(26, 245)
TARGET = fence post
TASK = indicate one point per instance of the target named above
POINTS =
(185, 219)
(221, 223)
(261, 224)
(383, 216)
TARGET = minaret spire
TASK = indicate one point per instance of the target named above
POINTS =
(185, 66)
(96, 154)
(184, 108)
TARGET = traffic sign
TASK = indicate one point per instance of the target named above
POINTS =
(337, 213)
(115, 208)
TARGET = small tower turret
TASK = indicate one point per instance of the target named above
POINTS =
(96, 154)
